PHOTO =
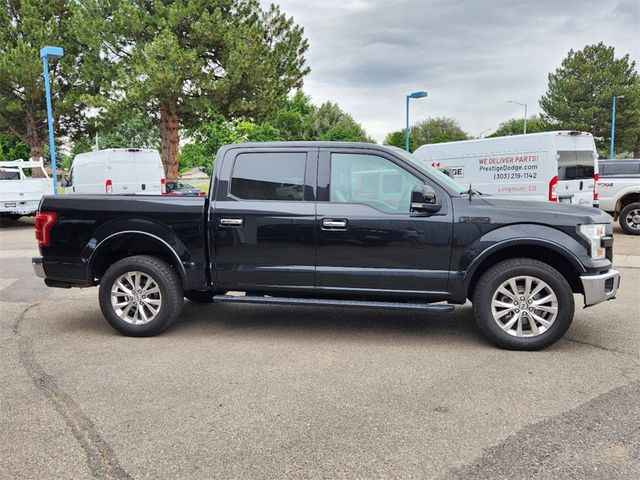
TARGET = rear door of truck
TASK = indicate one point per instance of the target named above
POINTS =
(262, 220)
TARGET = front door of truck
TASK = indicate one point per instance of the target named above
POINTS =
(369, 242)
(263, 220)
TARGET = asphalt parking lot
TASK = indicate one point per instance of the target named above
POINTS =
(294, 392)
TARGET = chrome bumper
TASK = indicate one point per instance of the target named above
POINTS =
(599, 288)
(38, 267)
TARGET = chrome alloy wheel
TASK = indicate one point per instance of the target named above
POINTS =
(524, 306)
(136, 298)
(633, 218)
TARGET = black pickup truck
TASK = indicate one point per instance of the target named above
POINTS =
(323, 223)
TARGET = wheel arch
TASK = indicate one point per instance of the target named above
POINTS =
(554, 255)
(626, 199)
(129, 243)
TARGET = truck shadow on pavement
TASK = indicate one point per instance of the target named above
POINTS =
(310, 321)
(202, 320)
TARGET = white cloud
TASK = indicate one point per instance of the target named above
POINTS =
(471, 56)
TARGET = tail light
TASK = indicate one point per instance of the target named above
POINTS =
(202, 194)
(43, 223)
(108, 187)
(596, 178)
(553, 189)
(163, 186)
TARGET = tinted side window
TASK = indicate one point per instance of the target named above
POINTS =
(372, 180)
(620, 169)
(269, 176)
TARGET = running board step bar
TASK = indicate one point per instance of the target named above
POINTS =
(322, 302)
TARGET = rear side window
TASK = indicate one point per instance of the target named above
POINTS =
(575, 165)
(620, 169)
(269, 176)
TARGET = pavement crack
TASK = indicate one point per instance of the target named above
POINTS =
(595, 345)
(101, 458)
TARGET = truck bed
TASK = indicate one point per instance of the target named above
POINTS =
(86, 223)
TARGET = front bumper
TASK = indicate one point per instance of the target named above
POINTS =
(601, 287)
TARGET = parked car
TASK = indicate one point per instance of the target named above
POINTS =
(549, 166)
(20, 190)
(374, 228)
(116, 170)
(619, 192)
(183, 189)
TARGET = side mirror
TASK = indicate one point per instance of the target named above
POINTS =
(424, 200)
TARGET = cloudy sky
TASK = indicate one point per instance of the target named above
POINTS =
(470, 55)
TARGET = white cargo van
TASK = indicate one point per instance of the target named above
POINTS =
(117, 170)
(556, 166)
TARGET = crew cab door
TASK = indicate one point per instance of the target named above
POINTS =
(369, 243)
(263, 220)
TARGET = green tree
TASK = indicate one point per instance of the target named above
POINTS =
(179, 58)
(294, 117)
(431, 130)
(330, 122)
(25, 27)
(397, 139)
(580, 92)
(515, 126)
(212, 135)
(12, 148)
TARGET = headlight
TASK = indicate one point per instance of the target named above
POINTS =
(594, 233)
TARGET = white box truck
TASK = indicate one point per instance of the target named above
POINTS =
(116, 170)
(20, 191)
(558, 166)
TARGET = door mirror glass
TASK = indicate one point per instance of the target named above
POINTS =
(424, 199)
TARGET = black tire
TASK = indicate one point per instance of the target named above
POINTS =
(170, 295)
(632, 210)
(500, 273)
(199, 297)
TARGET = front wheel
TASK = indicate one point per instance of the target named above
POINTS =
(630, 218)
(140, 296)
(523, 304)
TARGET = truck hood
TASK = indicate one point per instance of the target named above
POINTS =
(544, 212)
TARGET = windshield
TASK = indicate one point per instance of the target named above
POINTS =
(434, 172)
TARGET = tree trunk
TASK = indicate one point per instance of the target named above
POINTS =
(636, 150)
(169, 138)
(35, 143)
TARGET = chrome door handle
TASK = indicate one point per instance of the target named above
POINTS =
(231, 222)
(329, 224)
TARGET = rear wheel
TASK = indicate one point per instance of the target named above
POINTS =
(630, 219)
(523, 304)
(140, 296)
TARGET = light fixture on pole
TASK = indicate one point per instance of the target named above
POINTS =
(613, 125)
(406, 132)
(50, 53)
(525, 113)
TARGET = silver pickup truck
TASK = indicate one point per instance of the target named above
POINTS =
(619, 192)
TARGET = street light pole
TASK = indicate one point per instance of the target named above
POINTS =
(525, 113)
(613, 126)
(52, 53)
(406, 131)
